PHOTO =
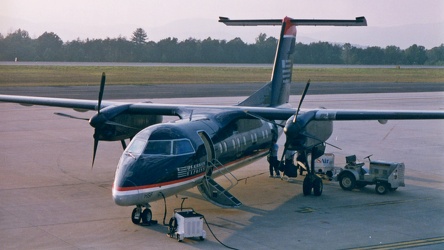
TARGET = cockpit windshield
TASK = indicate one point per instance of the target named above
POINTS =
(136, 146)
(158, 148)
(169, 147)
(182, 147)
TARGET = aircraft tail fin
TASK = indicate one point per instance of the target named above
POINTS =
(277, 92)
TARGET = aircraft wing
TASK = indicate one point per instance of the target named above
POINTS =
(265, 112)
(85, 105)
(347, 115)
(353, 115)
(77, 104)
(285, 113)
(142, 107)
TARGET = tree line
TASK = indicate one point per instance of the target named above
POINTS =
(49, 47)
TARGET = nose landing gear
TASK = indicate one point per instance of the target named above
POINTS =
(145, 215)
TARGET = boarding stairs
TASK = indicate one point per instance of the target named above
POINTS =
(214, 192)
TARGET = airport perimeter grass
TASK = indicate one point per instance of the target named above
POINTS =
(119, 75)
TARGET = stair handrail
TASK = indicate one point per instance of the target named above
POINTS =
(216, 164)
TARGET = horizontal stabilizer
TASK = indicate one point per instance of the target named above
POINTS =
(359, 21)
(216, 194)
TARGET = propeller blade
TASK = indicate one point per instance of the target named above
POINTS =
(96, 144)
(102, 88)
(99, 107)
(302, 99)
(70, 116)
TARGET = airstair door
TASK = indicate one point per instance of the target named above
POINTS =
(209, 188)
(209, 150)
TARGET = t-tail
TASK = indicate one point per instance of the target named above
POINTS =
(277, 91)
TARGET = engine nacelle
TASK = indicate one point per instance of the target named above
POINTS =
(114, 123)
(306, 133)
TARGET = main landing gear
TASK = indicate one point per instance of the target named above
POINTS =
(312, 181)
(142, 215)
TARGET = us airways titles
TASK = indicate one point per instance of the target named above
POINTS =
(189, 170)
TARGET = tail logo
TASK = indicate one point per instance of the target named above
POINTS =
(287, 67)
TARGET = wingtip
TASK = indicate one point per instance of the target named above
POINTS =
(224, 20)
(362, 19)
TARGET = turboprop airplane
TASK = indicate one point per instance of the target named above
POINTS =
(163, 159)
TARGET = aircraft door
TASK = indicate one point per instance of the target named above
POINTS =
(209, 150)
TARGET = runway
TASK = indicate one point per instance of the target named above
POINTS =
(50, 198)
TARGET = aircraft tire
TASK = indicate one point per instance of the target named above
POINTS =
(347, 181)
(133, 216)
(147, 216)
(307, 185)
(318, 186)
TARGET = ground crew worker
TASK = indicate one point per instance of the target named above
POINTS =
(273, 161)
(290, 169)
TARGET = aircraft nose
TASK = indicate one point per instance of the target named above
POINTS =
(125, 191)
(124, 170)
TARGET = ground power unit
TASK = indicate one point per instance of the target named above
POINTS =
(186, 223)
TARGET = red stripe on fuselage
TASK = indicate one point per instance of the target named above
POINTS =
(159, 184)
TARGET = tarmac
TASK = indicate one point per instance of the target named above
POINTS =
(51, 198)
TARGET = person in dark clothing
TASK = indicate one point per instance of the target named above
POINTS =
(302, 159)
(273, 161)
(290, 169)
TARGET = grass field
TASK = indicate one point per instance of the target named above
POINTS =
(87, 75)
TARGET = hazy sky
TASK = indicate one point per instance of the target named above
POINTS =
(390, 22)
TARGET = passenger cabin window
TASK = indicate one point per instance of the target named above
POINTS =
(169, 147)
